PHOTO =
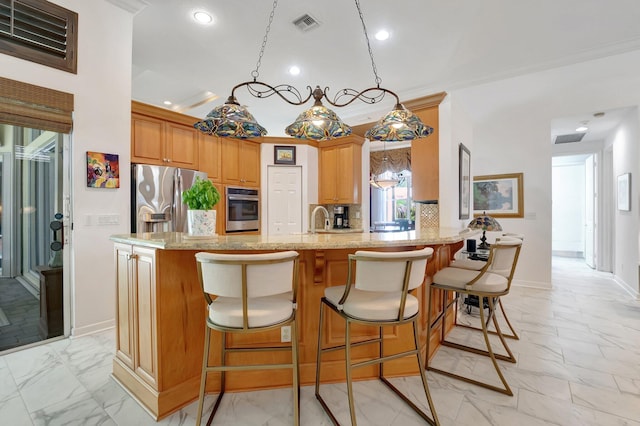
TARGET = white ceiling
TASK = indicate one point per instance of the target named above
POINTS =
(434, 46)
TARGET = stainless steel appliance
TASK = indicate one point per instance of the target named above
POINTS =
(156, 197)
(243, 209)
(338, 217)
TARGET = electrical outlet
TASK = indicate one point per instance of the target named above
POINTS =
(285, 333)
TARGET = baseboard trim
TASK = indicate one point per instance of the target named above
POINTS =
(93, 328)
(626, 287)
(532, 284)
(568, 253)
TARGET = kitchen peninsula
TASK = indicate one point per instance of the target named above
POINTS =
(161, 309)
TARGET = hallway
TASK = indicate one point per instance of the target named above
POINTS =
(577, 365)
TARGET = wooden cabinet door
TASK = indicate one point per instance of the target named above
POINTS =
(250, 163)
(340, 174)
(147, 140)
(146, 361)
(230, 163)
(240, 162)
(209, 152)
(425, 162)
(349, 169)
(327, 176)
(181, 146)
(125, 302)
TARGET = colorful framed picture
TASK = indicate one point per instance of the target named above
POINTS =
(464, 182)
(284, 155)
(498, 195)
(103, 170)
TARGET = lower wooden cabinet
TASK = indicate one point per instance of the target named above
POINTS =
(136, 313)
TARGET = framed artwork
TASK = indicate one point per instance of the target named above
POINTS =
(464, 182)
(284, 155)
(103, 170)
(624, 192)
(498, 195)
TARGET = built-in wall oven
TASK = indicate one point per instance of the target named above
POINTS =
(243, 209)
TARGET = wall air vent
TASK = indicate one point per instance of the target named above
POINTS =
(39, 31)
(574, 137)
(306, 22)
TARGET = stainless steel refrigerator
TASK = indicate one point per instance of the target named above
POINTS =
(156, 197)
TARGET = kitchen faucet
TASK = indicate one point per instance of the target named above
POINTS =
(313, 218)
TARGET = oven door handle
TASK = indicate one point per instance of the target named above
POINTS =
(238, 198)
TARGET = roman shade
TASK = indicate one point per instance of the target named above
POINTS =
(27, 105)
(397, 161)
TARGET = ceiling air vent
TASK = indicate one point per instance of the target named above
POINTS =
(306, 22)
(575, 137)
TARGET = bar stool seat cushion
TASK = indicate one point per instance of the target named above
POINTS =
(371, 305)
(263, 311)
(458, 278)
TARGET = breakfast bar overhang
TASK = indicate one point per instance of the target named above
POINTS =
(160, 318)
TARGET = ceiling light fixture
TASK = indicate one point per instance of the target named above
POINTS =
(202, 17)
(382, 35)
(319, 122)
(294, 70)
(582, 129)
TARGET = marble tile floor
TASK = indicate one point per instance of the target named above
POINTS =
(578, 364)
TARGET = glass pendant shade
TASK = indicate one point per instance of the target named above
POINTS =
(398, 125)
(386, 180)
(318, 123)
(231, 120)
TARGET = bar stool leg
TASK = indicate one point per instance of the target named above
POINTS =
(352, 408)
(203, 374)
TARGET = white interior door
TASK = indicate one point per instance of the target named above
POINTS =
(284, 204)
(589, 211)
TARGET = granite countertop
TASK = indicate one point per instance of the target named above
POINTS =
(306, 241)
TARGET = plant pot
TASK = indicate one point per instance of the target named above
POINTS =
(201, 222)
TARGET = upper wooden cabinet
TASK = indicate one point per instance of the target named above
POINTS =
(209, 153)
(425, 152)
(340, 175)
(241, 162)
(425, 159)
(163, 137)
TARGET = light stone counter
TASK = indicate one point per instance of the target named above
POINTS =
(180, 241)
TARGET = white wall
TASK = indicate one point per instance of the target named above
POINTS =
(512, 134)
(102, 96)
(455, 127)
(625, 160)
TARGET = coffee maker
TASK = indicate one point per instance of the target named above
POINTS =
(338, 217)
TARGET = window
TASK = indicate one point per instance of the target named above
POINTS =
(39, 31)
(393, 209)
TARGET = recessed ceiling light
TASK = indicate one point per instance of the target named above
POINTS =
(167, 102)
(294, 70)
(582, 129)
(202, 17)
(382, 35)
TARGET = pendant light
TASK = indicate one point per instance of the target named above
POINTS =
(319, 122)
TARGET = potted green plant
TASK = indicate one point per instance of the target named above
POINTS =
(200, 200)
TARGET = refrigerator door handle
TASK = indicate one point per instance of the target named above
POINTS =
(177, 200)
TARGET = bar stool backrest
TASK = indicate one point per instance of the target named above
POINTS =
(264, 274)
(386, 271)
(505, 252)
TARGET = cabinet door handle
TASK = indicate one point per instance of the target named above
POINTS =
(131, 256)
